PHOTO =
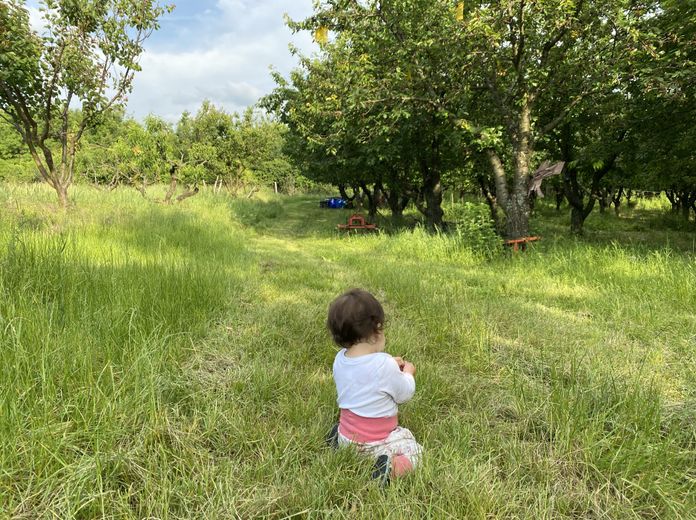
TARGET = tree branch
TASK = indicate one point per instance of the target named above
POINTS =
(564, 113)
(49, 94)
(550, 44)
(517, 56)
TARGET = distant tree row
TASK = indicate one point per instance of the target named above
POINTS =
(412, 96)
(211, 147)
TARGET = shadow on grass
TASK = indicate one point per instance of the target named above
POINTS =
(163, 231)
(644, 229)
(297, 217)
(301, 217)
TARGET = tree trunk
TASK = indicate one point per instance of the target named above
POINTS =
(690, 203)
(433, 205)
(517, 218)
(188, 193)
(378, 195)
(395, 207)
(602, 196)
(514, 205)
(47, 170)
(616, 199)
(681, 201)
(572, 190)
(172, 184)
(371, 201)
(171, 190)
(62, 191)
(518, 225)
(672, 198)
(574, 195)
(488, 191)
(344, 193)
(559, 197)
(501, 190)
(397, 202)
(432, 193)
(686, 206)
(576, 221)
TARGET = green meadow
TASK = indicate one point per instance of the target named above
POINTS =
(172, 362)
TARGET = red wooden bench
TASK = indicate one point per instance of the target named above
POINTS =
(357, 222)
(521, 243)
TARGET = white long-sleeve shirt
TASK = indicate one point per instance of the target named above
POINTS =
(371, 385)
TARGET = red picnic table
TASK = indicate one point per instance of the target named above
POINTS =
(357, 222)
(520, 243)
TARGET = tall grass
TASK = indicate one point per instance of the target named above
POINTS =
(171, 362)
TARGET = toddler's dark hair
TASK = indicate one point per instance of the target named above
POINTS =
(354, 316)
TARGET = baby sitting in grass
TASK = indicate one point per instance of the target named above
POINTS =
(370, 385)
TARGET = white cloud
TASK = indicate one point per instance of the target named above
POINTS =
(221, 54)
(173, 82)
(36, 20)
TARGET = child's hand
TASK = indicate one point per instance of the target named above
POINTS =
(409, 368)
(400, 361)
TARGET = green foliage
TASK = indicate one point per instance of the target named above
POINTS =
(211, 146)
(235, 148)
(524, 81)
(16, 169)
(474, 227)
(129, 155)
(662, 137)
(374, 107)
(15, 163)
(11, 145)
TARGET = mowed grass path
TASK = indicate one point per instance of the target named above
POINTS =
(172, 362)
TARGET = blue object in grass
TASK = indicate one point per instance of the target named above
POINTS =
(333, 203)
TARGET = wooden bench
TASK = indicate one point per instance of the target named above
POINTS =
(520, 243)
(357, 222)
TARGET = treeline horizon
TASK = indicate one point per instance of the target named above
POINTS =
(209, 147)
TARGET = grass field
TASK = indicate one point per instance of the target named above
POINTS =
(172, 362)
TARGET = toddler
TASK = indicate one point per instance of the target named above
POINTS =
(370, 385)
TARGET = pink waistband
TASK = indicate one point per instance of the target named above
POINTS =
(365, 429)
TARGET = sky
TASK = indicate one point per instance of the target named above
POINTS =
(220, 50)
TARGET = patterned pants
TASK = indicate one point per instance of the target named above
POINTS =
(399, 442)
